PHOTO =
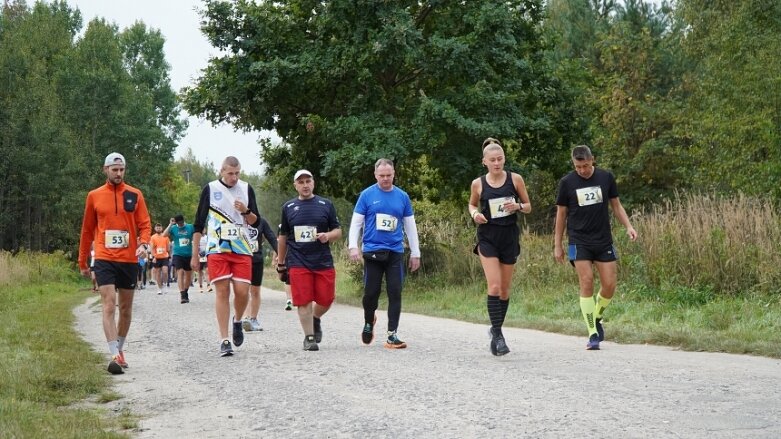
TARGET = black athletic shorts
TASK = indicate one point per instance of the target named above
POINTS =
(257, 273)
(122, 275)
(599, 253)
(182, 263)
(503, 242)
(160, 263)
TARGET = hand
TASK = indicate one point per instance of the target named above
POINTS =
(355, 255)
(323, 237)
(85, 272)
(558, 254)
(195, 261)
(632, 233)
(141, 250)
(172, 221)
(479, 219)
(238, 205)
(414, 263)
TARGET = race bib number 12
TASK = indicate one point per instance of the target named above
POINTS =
(229, 232)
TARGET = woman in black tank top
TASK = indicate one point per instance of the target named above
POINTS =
(494, 203)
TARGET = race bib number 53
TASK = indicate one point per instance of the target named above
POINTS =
(116, 239)
(589, 195)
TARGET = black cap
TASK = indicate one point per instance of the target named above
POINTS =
(179, 218)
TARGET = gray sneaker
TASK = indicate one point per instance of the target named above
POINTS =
(254, 325)
(310, 344)
(226, 350)
(246, 324)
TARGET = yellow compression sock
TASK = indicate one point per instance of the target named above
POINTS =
(587, 307)
(602, 303)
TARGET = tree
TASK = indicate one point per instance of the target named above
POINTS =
(348, 81)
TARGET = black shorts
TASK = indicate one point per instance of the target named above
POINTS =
(122, 275)
(182, 263)
(598, 253)
(503, 242)
(257, 273)
(159, 263)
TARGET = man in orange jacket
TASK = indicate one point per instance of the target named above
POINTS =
(115, 215)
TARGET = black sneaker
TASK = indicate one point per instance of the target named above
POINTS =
(493, 341)
(600, 329)
(393, 341)
(113, 366)
(501, 345)
(593, 343)
(185, 297)
(226, 350)
(367, 336)
(238, 334)
(310, 344)
(318, 330)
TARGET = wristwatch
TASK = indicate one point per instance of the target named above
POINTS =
(247, 212)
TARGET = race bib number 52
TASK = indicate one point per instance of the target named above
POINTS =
(589, 195)
(386, 223)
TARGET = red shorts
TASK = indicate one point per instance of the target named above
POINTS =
(229, 266)
(317, 286)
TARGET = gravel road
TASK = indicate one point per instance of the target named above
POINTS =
(445, 385)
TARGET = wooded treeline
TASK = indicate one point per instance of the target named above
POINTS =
(672, 97)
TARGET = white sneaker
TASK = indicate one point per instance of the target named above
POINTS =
(255, 325)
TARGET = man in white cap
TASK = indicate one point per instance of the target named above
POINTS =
(309, 224)
(117, 222)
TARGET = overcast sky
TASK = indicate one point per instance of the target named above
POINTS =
(187, 51)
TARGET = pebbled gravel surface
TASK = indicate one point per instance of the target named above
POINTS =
(445, 385)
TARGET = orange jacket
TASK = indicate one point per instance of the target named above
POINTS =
(117, 212)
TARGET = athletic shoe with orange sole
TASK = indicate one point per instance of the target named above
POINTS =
(121, 360)
(393, 341)
(113, 366)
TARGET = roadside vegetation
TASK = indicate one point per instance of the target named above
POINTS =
(53, 384)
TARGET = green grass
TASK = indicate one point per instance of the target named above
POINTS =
(52, 382)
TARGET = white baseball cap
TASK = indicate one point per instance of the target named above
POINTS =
(301, 172)
(114, 158)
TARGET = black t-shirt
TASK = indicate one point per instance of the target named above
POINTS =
(586, 200)
(492, 199)
(301, 221)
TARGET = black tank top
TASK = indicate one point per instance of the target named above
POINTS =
(497, 194)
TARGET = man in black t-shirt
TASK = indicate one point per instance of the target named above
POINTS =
(582, 204)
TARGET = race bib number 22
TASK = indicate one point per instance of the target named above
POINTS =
(589, 195)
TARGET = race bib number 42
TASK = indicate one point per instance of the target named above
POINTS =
(116, 239)
(305, 233)
(496, 206)
(589, 195)
(386, 223)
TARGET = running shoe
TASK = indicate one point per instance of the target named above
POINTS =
(600, 329)
(367, 336)
(393, 341)
(501, 344)
(121, 360)
(493, 341)
(185, 297)
(254, 325)
(226, 350)
(310, 344)
(318, 331)
(238, 334)
(289, 305)
(113, 366)
(210, 289)
(246, 325)
(593, 343)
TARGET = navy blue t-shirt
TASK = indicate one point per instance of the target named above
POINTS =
(301, 221)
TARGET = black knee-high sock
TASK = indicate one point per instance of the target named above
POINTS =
(505, 304)
(495, 312)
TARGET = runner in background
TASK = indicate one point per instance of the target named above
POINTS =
(250, 322)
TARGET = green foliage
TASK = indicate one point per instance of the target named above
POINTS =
(345, 83)
(67, 101)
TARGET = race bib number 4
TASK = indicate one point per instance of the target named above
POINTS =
(229, 232)
(386, 223)
(496, 206)
(589, 195)
(305, 233)
(116, 239)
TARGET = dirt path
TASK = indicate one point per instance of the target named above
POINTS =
(446, 384)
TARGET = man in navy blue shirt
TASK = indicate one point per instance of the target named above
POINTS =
(384, 212)
(309, 224)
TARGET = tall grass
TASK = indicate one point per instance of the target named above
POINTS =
(45, 367)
